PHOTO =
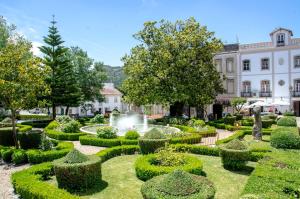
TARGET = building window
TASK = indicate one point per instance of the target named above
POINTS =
(218, 63)
(297, 61)
(280, 39)
(265, 64)
(297, 85)
(106, 100)
(229, 65)
(116, 99)
(230, 86)
(246, 86)
(265, 86)
(246, 65)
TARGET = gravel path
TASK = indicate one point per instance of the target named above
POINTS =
(86, 149)
(210, 141)
(6, 189)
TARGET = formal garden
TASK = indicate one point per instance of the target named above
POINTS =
(155, 163)
(131, 155)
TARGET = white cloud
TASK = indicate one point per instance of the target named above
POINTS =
(35, 48)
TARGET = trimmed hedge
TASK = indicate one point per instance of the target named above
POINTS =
(286, 138)
(276, 176)
(230, 120)
(196, 149)
(6, 137)
(267, 123)
(287, 121)
(192, 139)
(234, 157)
(78, 176)
(29, 183)
(145, 169)
(151, 145)
(58, 135)
(117, 151)
(94, 141)
(37, 123)
(204, 132)
(38, 156)
(34, 117)
(19, 157)
(30, 139)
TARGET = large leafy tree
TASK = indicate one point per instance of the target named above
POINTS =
(62, 79)
(90, 75)
(173, 64)
(21, 78)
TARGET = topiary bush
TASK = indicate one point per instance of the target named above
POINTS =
(148, 166)
(70, 127)
(196, 123)
(77, 172)
(234, 154)
(97, 119)
(285, 138)
(287, 121)
(238, 116)
(106, 132)
(6, 154)
(178, 185)
(132, 135)
(152, 140)
(288, 113)
(30, 139)
(267, 123)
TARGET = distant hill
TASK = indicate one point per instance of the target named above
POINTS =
(115, 74)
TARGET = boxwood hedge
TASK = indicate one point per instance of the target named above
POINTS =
(38, 156)
(276, 176)
(6, 138)
(30, 183)
(145, 169)
(286, 138)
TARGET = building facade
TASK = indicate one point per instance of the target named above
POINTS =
(266, 71)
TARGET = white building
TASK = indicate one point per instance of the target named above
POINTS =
(269, 71)
(112, 100)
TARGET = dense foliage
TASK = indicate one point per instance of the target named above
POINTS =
(106, 132)
(286, 138)
(178, 185)
(287, 121)
(172, 65)
(132, 135)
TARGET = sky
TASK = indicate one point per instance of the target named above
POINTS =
(104, 28)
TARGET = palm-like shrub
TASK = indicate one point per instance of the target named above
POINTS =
(180, 185)
(234, 154)
(152, 140)
(77, 172)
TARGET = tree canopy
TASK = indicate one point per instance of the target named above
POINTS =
(172, 64)
(62, 78)
(238, 103)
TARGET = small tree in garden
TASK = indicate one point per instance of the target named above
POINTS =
(238, 103)
(21, 78)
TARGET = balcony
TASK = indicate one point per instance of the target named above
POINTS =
(296, 93)
(265, 94)
(246, 94)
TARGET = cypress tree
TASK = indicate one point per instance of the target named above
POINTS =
(62, 78)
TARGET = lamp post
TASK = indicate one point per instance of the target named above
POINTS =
(291, 93)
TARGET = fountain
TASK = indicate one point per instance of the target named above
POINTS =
(126, 122)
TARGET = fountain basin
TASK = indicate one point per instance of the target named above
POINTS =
(140, 128)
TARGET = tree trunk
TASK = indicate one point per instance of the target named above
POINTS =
(189, 112)
(53, 111)
(176, 110)
(67, 110)
(13, 118)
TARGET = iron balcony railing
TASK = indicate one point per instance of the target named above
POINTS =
(296, 93)
(246, 94)
(265, 94)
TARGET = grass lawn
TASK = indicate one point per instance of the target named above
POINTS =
(119, 173)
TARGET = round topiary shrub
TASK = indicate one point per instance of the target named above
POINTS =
(77, 172)
(152, 140)
(98, 119)
(166, 161)
(235, 155)
(132, 135)
(178, 185)
(71, 127)
(106, 132)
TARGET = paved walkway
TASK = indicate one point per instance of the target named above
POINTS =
(86, 149)
(298, 121)
(6, 188)
(221, 134)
